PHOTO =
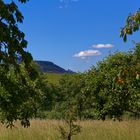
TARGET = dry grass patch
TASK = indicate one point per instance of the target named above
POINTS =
(91, 130)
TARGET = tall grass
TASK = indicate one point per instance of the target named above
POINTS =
(91, 130)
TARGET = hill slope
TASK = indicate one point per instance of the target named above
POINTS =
(50, 67)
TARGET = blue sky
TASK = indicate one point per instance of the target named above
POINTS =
(75, 34)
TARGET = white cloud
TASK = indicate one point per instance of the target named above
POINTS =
(99, 46)
(87, 53)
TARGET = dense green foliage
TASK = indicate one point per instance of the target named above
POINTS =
(17, 81)
(115, 86)
(18, 96)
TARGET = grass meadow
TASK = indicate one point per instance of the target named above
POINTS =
(53, 78)
(91, 130)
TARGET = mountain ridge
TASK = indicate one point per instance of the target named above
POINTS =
(50, 67)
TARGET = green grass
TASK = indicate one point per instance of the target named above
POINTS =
(91, 130)
(53, 78)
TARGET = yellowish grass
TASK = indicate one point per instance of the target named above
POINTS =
(91, 130)
(53, 78)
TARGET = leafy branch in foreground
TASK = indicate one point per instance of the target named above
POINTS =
(12, 39)
(132, 25)
(18, 90)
